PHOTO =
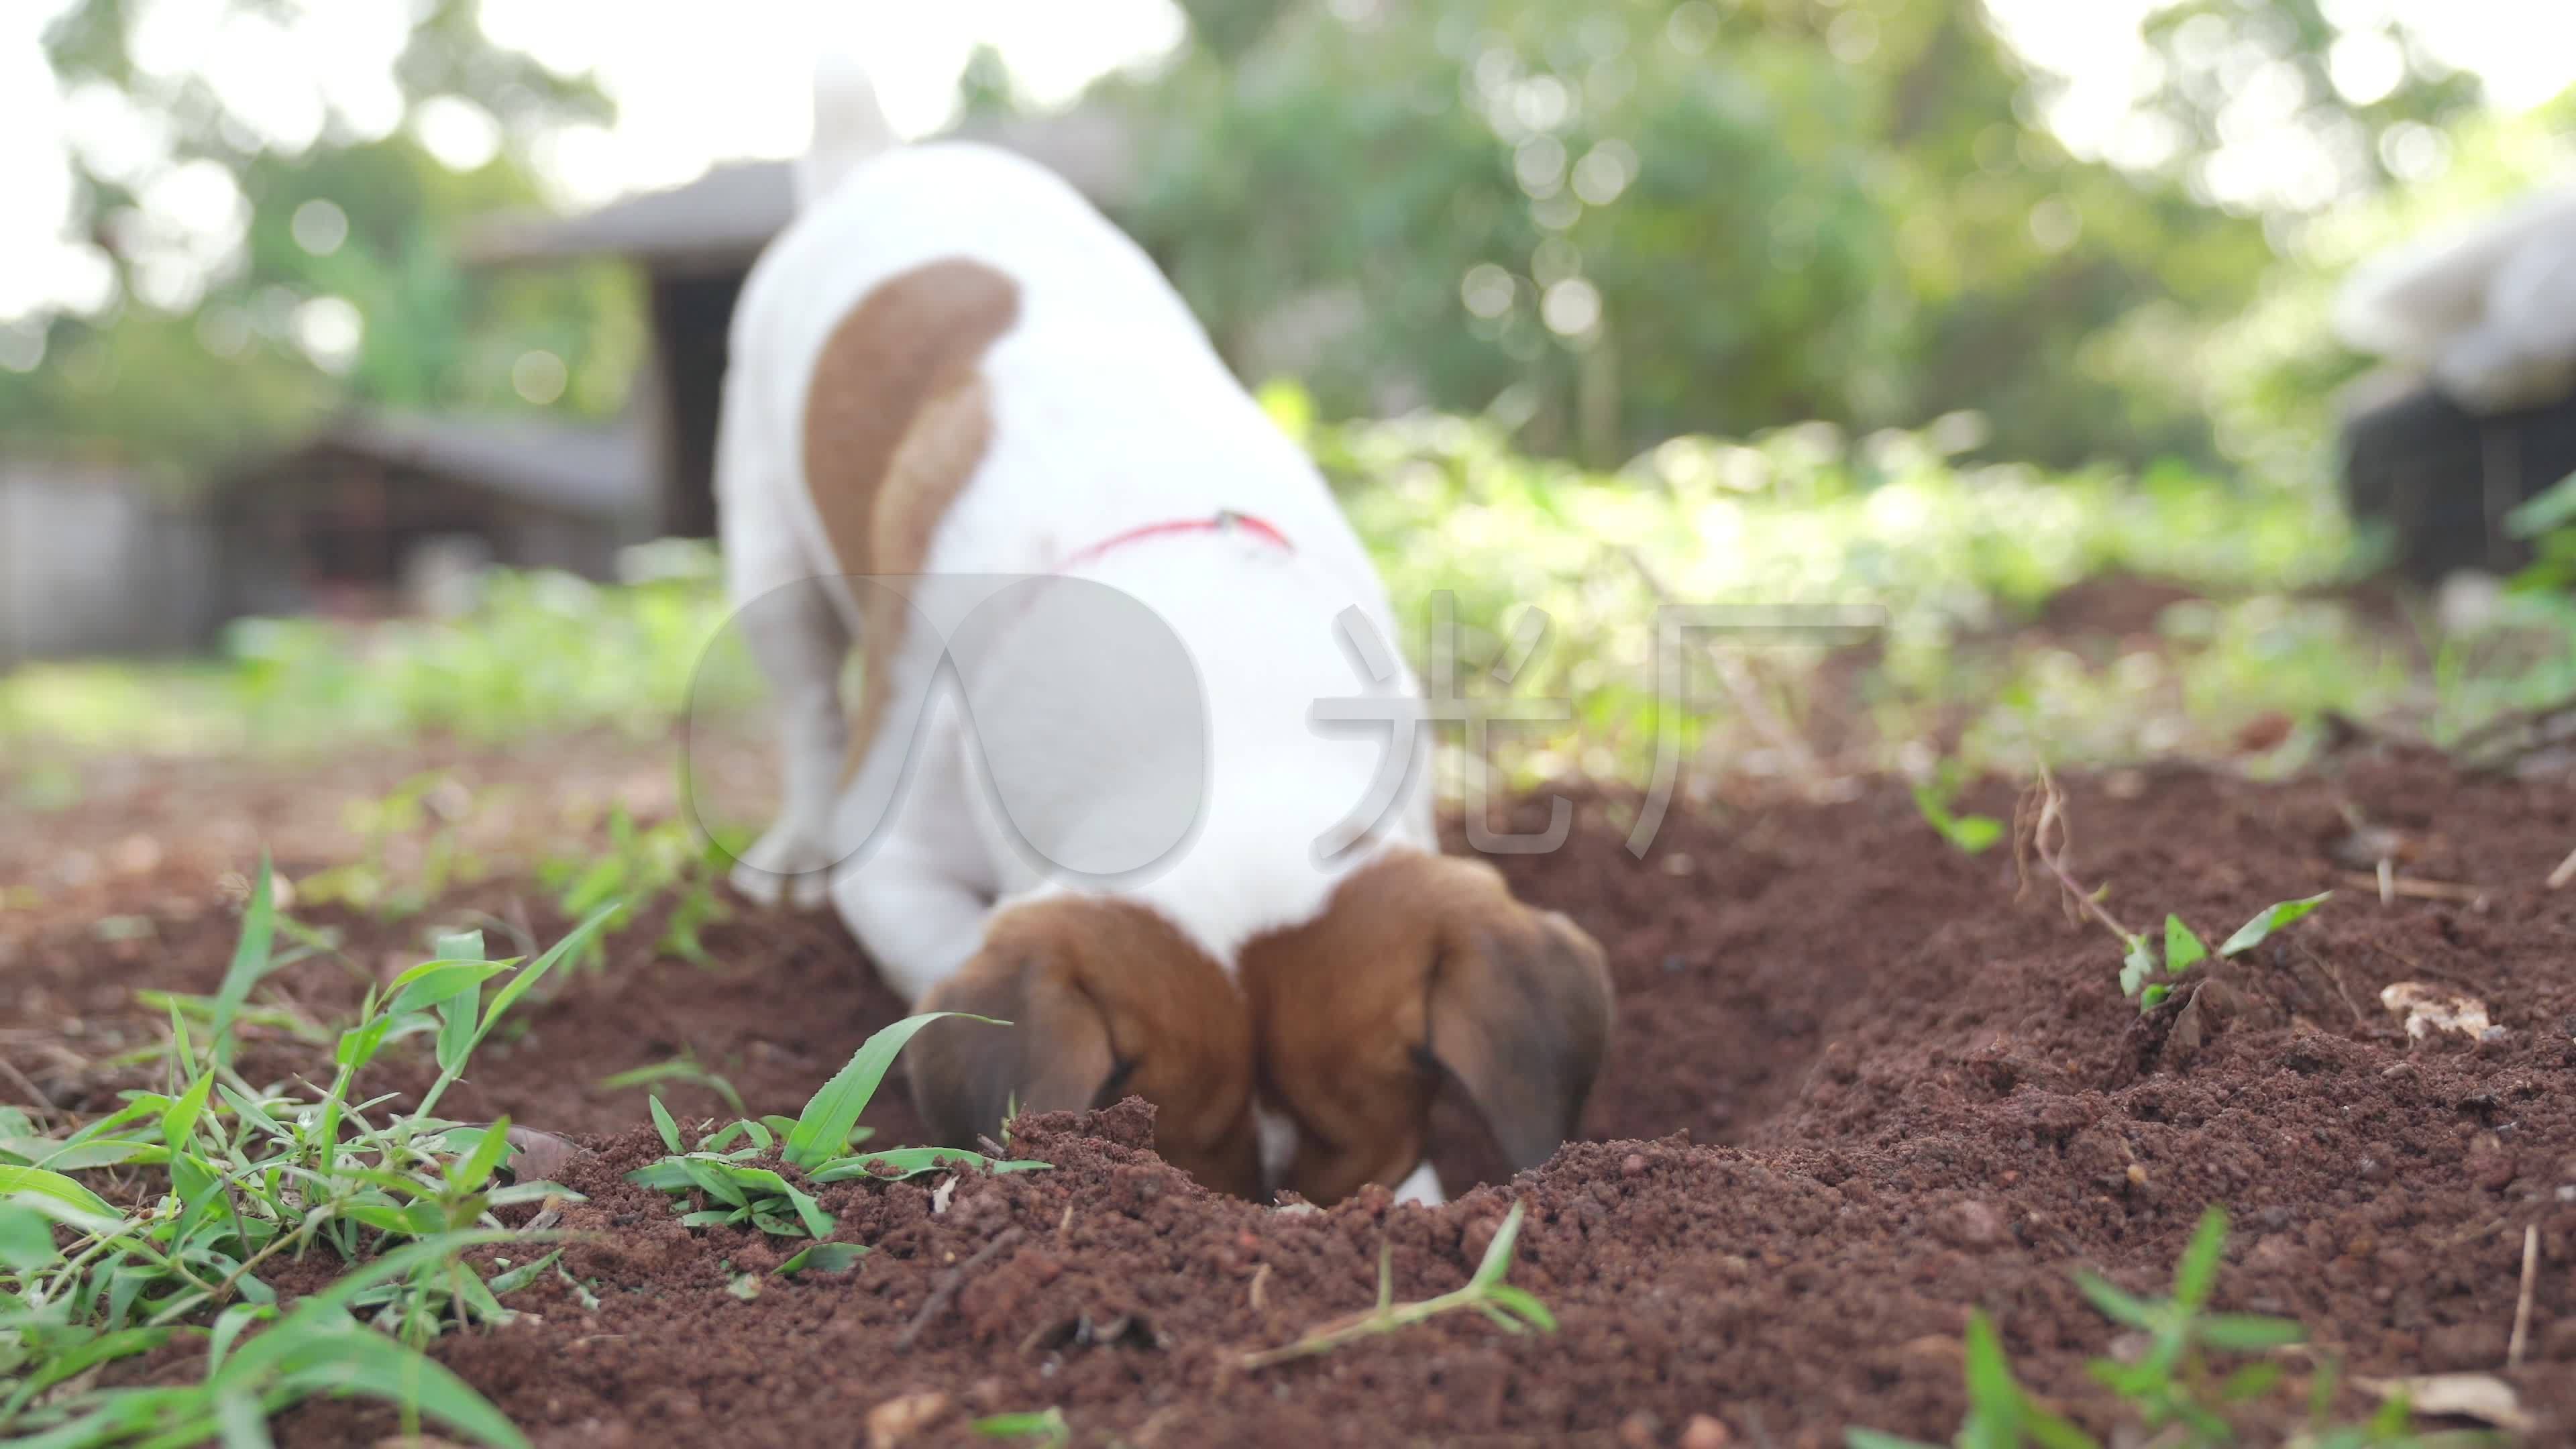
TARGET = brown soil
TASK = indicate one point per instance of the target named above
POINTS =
(1859, 1088)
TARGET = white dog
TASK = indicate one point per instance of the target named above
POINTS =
(1099, 599)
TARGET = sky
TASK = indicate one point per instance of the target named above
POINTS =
(698, 83)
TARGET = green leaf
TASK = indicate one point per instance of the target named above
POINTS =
(179, 1123)
(53, 1187)
(1991, 1389)
(667, 1175)
(243, 1422)
(469, 1173)
(663, 1124)
(523, 1275)
(355, 1361)
(2197, 1273)
(1498, 1253)
(823, 1258)
(2053, 1432)
(521, 984)
(1524, 1303)
(1872, 1439)
(251, 959)
(898, 1163)
(2116, 1304)
(359, 1044)
(2249, 1332)
(434, 983)
(2154, 996)
(2183, 949)
(2250, 1382)
(2273, 918)
(823, 1128)
(710, 1179)
(26, 1238)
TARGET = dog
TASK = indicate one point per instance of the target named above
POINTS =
(970, 430)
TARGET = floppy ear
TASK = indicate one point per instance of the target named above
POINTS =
(1520, 1012)
(1054, 1056)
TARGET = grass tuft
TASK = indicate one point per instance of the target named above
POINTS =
(1514, 1310)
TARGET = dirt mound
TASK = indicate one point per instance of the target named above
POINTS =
(1859, 1088)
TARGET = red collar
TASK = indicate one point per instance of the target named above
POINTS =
(1225, 521)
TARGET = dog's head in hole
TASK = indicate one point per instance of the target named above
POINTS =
(1311, 1067)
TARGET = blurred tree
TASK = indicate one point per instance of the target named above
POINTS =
(327, 275)
(1617, 221)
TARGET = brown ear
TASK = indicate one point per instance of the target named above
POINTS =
(1054, 1056)
(1520, 1012)
(1105, 998)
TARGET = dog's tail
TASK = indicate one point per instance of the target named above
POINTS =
(849, 127)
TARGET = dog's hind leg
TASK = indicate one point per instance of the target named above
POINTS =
(800, 637)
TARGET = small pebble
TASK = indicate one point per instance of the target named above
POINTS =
(1633, 1165)
(1704, 1432)
(1637, 1431)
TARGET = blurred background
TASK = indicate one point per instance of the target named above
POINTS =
(2145, 360)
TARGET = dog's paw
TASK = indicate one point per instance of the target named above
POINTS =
(785, 866)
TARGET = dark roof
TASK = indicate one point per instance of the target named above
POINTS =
(591, 471)
(725, 217)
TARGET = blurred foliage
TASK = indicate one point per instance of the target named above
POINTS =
(1784, 209)
(540, 652)
(194, 365)
(2229, 618)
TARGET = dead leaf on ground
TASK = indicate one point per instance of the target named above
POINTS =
(2483, 1397)
(539, 1156)
(897, 1420)
(2427, 1009)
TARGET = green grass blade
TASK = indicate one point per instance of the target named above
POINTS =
(2249, 1332)
(469, 1173)
(179, 1122)
(2183, 949)
(526, 981)
(252, 959)
(1990, 1382)
(38, 1187)
(822, 1258)
(823, 1129)
(355, 1361)
(663, 1124)
(2116, 1304)
(433, 983)
(26, 1238)
(1498, 1253)
(1872, 1439)
(2254, 932)
(2197, 1273)
(898, 1163)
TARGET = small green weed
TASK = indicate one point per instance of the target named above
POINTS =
(682, 1068)
(433, 806)
(2041, 835)
(734, 1193)
(252, 1174)
(643, 864)
(2175, 1398)
(1970, 834)
(1515, 1310)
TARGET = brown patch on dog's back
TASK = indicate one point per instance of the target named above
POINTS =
(1421, 963)
(897, 417)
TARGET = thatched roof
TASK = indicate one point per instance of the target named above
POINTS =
(721, 220)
